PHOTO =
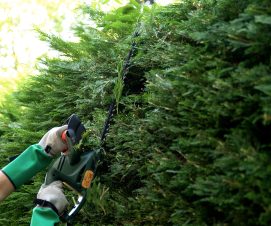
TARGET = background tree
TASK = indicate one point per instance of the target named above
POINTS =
(19, 43)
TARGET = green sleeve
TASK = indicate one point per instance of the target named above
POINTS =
(26, 165)
(44, 216)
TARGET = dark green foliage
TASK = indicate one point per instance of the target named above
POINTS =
(194, 147)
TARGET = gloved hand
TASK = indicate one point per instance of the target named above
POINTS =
(53, 193)
(52, 143)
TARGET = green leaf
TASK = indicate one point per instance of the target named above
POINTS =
(264, 88)
(264, 19)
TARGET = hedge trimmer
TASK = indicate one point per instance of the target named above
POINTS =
(76, 169)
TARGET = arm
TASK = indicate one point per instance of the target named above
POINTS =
(31, 161)
(44, 216)
(6, 186)
(26, 165)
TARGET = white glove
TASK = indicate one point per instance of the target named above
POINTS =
(53, 193)
(52, 142)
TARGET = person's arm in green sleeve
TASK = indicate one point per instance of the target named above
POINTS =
(51, 202)
(44, 216)
(31, 161)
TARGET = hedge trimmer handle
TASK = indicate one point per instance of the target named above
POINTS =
(72, 136)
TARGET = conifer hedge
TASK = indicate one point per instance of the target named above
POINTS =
(193, 148)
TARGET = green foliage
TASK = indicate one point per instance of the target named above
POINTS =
(194, 148)
(118, 88)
